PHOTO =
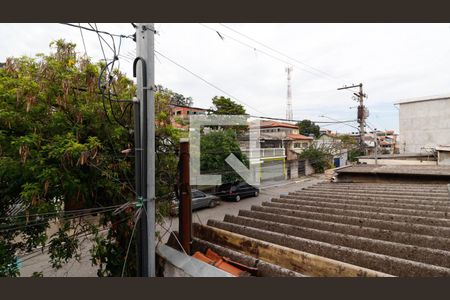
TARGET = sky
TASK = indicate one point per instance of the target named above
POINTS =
(393, 61)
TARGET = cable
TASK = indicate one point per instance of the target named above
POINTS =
(98, 31)
(64, 211)
(274, 50)
(22, 226)
(255, 49)
(82, 38)
(206, 81)
(274, 57)
(131, 239)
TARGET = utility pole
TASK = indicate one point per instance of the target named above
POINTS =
(362, 112)
(185, 203)
(289, 113)
(143, 69)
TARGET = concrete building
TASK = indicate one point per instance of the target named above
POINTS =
(280, 146)
(424, 123)
(179, 115)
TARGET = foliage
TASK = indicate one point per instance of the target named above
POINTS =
(215, 147)
(59, 152)
(307, 127)
(318, 157)
(175, 98)
(347, 141)
(226, 106)
(354, 153)
(350, 143)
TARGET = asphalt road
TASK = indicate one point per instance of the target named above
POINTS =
(39, 261)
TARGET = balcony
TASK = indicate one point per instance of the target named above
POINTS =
(265, 152)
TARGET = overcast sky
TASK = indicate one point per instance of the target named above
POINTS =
(393, 61)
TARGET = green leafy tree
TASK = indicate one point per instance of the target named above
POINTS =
(307, 127)
(350, 143)
(174, 98)
(61, 151)
(215, 147)
(226, 106)
(318, 157)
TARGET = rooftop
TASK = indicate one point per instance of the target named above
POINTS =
(398, 170)
(425, 98)
(270, 124)
(340, 230)
(296, 136)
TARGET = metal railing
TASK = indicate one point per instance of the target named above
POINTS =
(266, 152)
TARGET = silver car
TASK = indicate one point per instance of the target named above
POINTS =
(199, 200)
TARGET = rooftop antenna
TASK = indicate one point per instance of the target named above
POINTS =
(289, 114)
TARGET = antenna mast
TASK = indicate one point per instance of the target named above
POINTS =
(289, 114)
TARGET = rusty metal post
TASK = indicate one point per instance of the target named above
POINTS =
(185, 207)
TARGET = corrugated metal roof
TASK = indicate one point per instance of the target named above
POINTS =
(344, 229)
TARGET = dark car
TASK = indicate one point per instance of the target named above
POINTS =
(237, 190)
(199, 200)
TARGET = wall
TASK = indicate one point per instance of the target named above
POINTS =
(309, 168)
(371, 161)
(444, 158)
(425, 123)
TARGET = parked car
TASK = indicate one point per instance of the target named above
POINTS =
(199, 200)
(237, 190)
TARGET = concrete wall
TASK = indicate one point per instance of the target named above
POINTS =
(424, 124)
(444, 158)
(371, 161)
(308, 168)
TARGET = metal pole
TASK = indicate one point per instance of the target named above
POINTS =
(138, 175)
(185, 204)
(362, 120)
(145, 83)
(376, 148)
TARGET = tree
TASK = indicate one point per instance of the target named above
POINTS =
(318, 157)
(215, 147)
(226, 106)
(350, 143)
(60, 153)
(307, 127)
(174, 98)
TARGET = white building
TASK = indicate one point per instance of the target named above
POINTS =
(424, 123)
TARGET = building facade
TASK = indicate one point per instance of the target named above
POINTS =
(424, 123)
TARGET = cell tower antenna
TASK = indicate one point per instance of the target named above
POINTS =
(289, 114)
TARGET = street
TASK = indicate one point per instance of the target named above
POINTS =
(39, 262)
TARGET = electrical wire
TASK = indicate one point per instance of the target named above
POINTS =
(131, 239)
(277, 51)
(206, 81)
(82, 38)
(329, 77)
(98, 31)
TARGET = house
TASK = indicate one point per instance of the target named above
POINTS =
(424, 123)
(332, 143)
(280, 145)
(179, 115)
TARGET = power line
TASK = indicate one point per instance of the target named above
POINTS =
(98, 31)
(82, 38)
(206, 81)
(285, 62)
(329, 77)
(277, 51)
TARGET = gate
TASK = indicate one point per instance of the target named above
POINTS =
(302, 167)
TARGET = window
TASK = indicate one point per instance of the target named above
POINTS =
(197, 194)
